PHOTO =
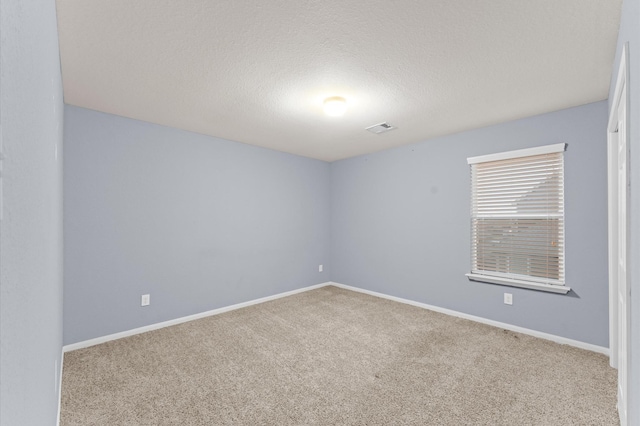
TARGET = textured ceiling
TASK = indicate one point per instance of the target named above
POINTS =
(257, 72)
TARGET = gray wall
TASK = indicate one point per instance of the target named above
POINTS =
(630, 32)
(400, 224)
(31, 119)
(197, 222)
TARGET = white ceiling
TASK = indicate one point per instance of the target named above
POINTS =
(257, 72)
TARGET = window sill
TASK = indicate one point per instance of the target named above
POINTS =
(562, 289)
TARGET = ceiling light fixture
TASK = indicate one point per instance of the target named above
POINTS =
(335, 106)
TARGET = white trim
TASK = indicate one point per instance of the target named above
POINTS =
(534, 333)
(60, 387)
(551, 288)
(619, 327)
(612, 166)
(538, 150)
(612, 196)
(156, 326)
(620, 84)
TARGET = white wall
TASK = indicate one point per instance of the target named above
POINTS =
(31, 120)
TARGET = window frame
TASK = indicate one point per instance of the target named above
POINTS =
(514, 279)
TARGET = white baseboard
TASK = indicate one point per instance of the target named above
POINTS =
(558, 339)
(60, 386)
(132, 332)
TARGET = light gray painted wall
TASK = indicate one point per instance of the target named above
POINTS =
(197, 222)
(31, 118)
(400, 224)
(630, 32)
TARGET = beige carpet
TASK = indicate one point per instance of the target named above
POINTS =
(336, 357)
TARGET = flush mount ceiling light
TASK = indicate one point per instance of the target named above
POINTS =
(335, 106)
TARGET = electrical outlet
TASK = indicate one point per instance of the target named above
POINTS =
(508, 299)
(319, 268)
(145, 300)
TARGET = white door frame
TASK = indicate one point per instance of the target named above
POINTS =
(619, 318)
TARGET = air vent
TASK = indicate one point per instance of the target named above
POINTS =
(380, 128)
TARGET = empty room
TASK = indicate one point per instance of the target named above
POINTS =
(319, 213)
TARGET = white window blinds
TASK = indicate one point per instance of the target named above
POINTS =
(517, 217)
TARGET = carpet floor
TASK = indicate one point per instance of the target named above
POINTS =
(336, 357)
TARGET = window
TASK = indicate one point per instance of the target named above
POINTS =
(517, 218)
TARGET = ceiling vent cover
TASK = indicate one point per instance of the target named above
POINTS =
(380, 128)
